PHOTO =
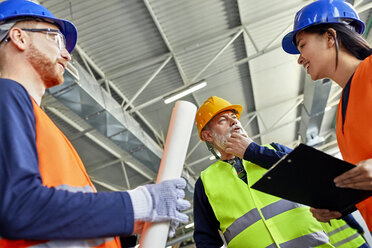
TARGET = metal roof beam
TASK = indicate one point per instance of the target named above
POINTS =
(193, 149)
(198, 161)
(169, 46)
(125, 174)
(195, 78)
(107, 185)
(361, 8)
(104, 101)
(251, 39)
(140, 90)
(167, 43)
(200, 42)
(156, 99)
(242, 61)
(123, 70)
(276, 127)
(316, 96)
(183, 48)
(180, 239)
(187, 172)
(294, 107)
(113, 86)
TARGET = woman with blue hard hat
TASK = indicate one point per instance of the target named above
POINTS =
(328, 36)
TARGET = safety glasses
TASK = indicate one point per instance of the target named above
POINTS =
(51, 34)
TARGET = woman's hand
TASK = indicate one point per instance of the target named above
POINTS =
(359, 177)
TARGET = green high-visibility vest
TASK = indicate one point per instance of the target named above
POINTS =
(342, 235)
(250, 218)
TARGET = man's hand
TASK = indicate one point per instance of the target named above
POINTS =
(167, 201)
(237, 144)
(324, 215)
(160, 202)
(359, 177)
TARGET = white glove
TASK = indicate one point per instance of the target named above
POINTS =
(161, 202)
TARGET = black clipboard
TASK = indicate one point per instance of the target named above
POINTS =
(306, 176)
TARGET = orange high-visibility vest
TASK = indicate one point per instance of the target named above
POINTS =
(60, 167)
(355, 136)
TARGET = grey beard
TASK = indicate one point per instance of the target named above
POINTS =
(220, 140)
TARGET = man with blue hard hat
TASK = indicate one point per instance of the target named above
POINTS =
(13, 11)
(46, 196)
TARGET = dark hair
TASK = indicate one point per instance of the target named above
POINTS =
(346, 36)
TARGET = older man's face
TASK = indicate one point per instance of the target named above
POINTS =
(223, 125)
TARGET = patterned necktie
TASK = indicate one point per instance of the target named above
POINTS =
(238, 165)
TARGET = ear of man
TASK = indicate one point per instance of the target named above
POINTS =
(207, 135)
(19, 38)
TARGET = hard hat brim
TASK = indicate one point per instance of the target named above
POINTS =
(69, 31)
(288, 44)
(24, 9)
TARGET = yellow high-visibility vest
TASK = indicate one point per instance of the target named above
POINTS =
(250, 218)
(342, 235)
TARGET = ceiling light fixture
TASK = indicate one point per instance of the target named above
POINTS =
(188, 90)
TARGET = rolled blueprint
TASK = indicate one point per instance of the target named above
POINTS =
(155, 235)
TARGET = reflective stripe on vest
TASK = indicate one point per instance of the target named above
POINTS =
(309, 240)
(253, 216)
(337, 230)
(73, 243)
(278, 207)
(244, 213)
(84, 189)
(241, 224)
(345, 241)
(342, 235)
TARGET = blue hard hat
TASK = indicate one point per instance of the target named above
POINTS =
(19, 9)
(322, 11)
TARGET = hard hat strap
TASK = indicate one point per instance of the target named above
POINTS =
(4, 30)
(211, 149)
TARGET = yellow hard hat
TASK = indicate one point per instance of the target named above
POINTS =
(211, 107)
